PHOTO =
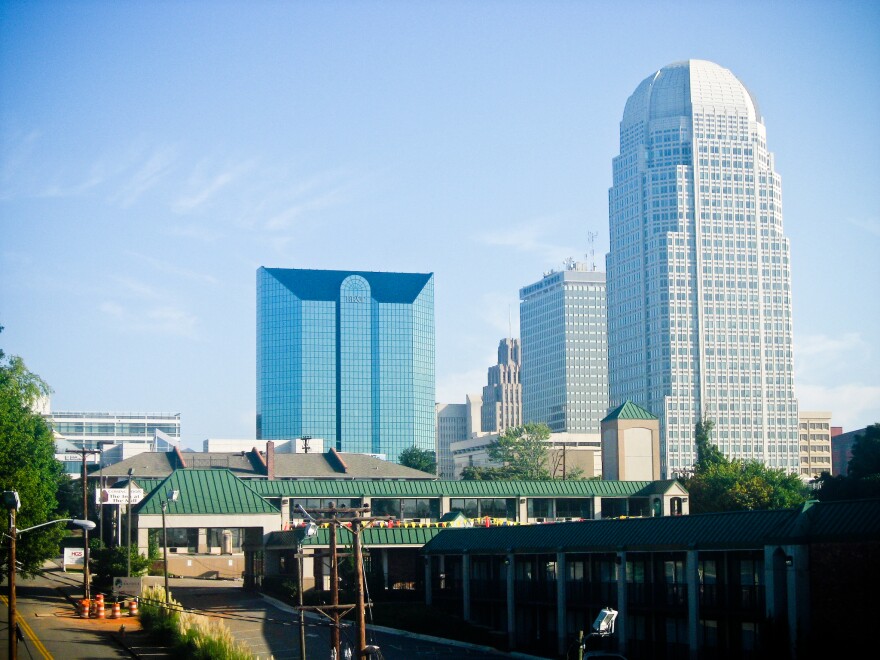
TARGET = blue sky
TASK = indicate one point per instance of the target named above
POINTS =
(153, 155)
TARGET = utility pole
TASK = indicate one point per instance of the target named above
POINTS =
(87, 593)
(13, 504)
(353, 522)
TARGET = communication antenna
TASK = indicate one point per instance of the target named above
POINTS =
(591, 253)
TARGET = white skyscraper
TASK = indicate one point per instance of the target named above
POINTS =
(564, 350)
(699, 279)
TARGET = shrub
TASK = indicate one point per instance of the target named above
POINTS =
(191, 636)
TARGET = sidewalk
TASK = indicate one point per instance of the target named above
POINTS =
(126, 631)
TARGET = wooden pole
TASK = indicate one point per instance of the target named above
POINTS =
(359, 571)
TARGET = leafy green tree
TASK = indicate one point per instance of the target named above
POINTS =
(483, 473)
(863, 473)
(721, 484)
(107, 563)
(27, 463)
(707, 453)
(418, 459)
(522, 451)
(865, 460)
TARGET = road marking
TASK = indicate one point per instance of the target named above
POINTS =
(29, 633)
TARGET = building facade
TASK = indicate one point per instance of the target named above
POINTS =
(729, 586)
(112, 436)
(699, 277)
(502, 395)
(814, 429)
(564, 350)
(347, 356)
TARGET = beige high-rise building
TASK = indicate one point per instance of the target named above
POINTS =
(814, 433)
(502, 396)
(455, 422)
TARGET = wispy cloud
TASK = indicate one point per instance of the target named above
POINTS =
(158, 165)
(315, 193)
(501, 312)
(173, 321)
(172, 269)
(818, 357)
(870, 225)
(852, 405)
(453, 387)
(206, 182)
(21, 177)
(159, 320)
(140, 289)
(530, 238)
(827, 377)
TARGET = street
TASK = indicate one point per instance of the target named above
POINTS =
(51, 627)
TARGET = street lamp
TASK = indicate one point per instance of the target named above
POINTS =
(12, 502)
(128, 535)
(171, 496)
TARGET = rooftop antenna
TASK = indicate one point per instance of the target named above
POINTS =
(591, 254)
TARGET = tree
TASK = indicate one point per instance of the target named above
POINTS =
(721, 484)
(863, 473)
(521, 451)
(482, 473)
(865, 460)
(27, 463)
(107, 563)
(707, 453)
(418, 459)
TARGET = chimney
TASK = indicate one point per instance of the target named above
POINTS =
(179, 458)
(336, 461)
(270, 460)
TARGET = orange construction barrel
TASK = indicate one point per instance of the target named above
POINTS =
(84, 608)
(114, 612)
(132, 607)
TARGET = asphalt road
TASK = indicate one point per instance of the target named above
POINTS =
(270, 629)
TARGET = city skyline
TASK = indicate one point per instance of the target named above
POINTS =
(152, 156)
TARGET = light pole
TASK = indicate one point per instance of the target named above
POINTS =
(171, 496)
(311, 530)
(128, 535)
(12, 502)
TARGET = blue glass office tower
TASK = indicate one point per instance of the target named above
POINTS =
(346, 356)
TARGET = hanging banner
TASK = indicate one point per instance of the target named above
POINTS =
(117, 496)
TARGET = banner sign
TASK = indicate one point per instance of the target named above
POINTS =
(74, 558)
(116, 496)
(133, 586)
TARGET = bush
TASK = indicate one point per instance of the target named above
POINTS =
(191, 636)
(108, 563)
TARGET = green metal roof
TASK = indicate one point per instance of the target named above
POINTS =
(206, 492)
(815, 521)
(629, 410)
(378, 488)
(397, 536)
